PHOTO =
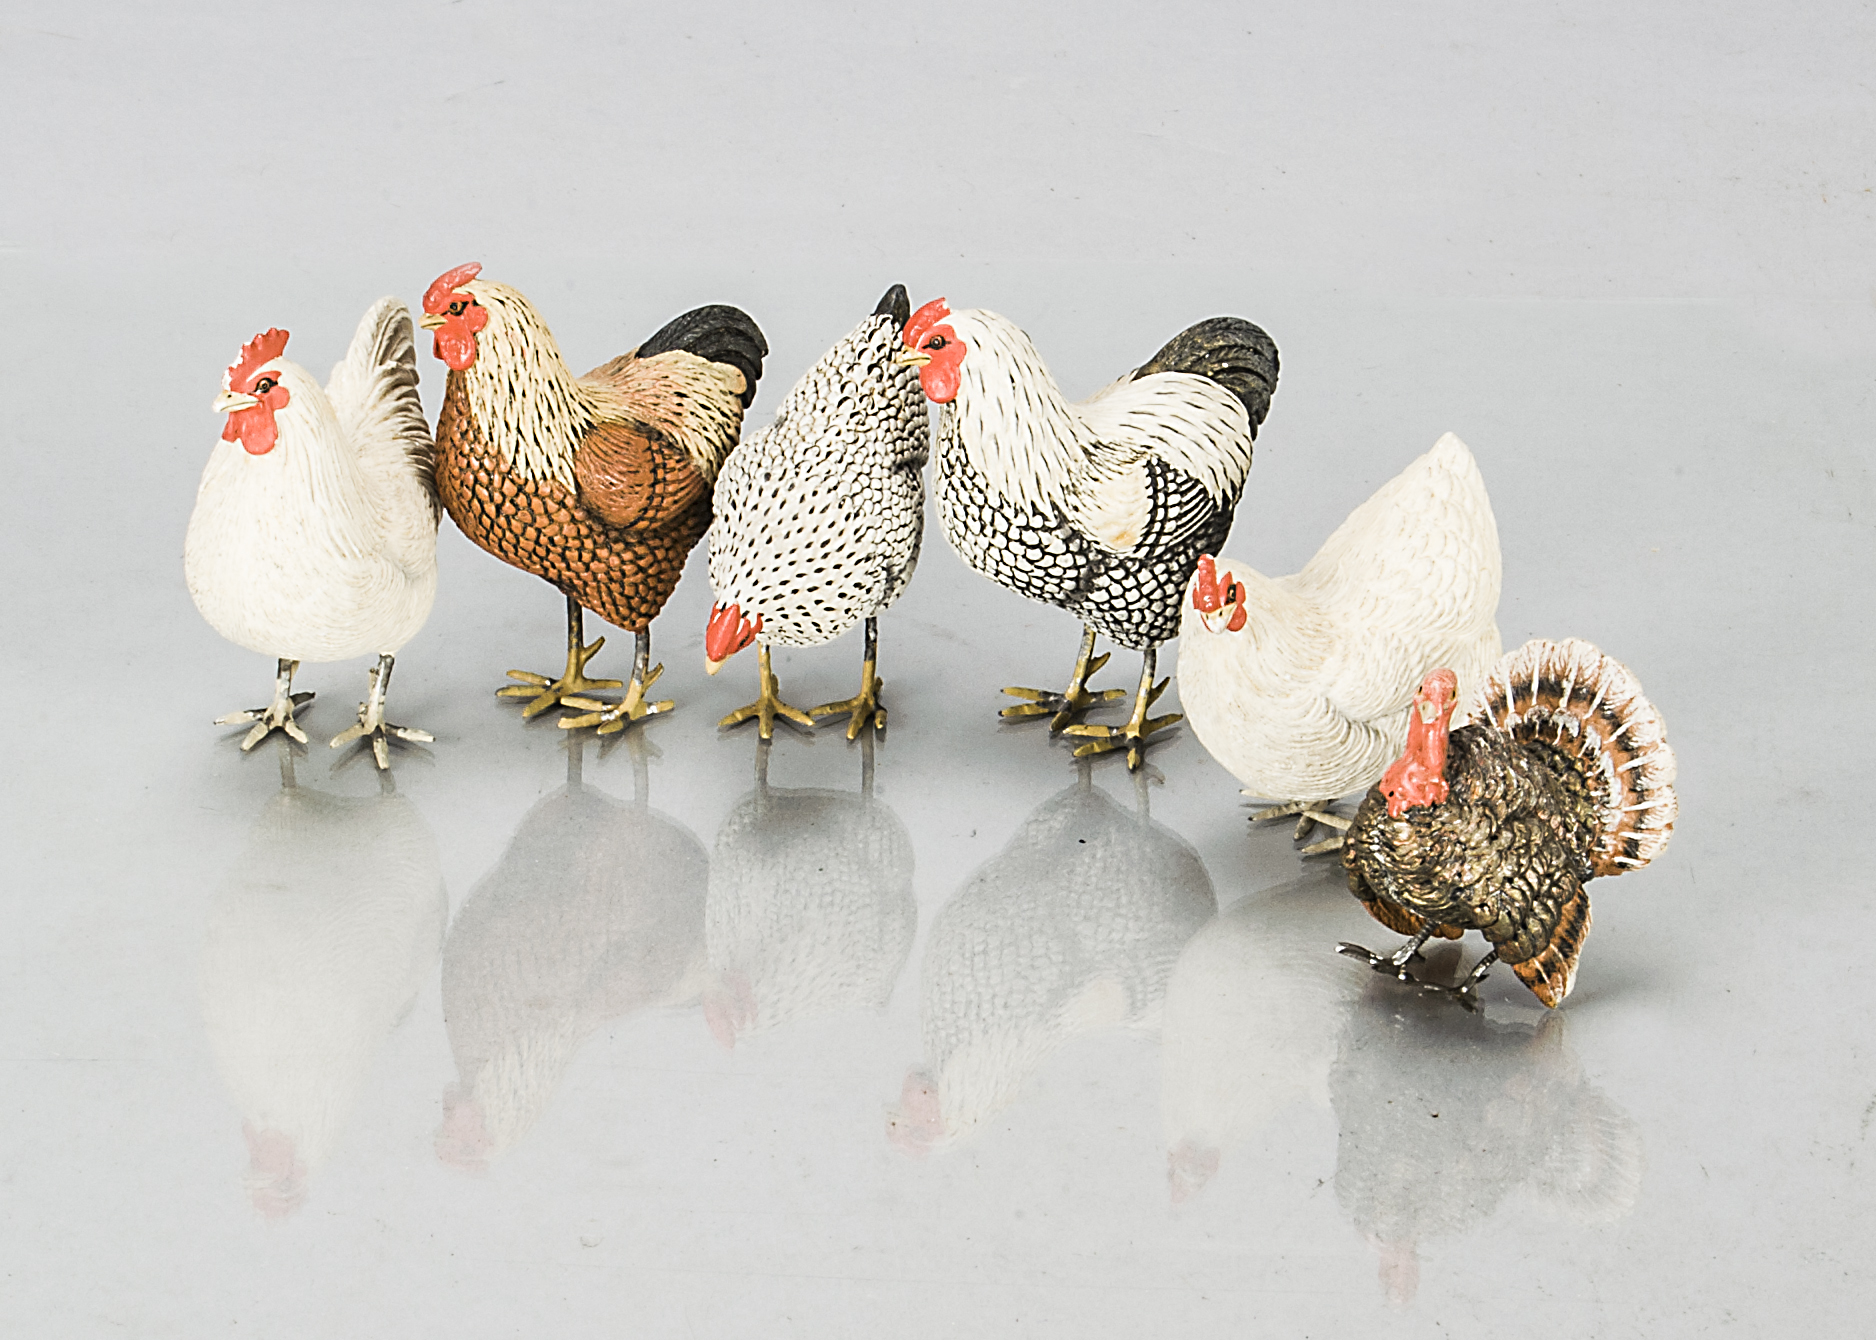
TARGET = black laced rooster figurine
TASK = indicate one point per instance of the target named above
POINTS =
(1565, 775)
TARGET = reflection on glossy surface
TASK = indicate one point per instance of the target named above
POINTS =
(1444, 1112)
(1253, 1012)
(318, 941)
(1073, 926)
(593, 912)
(811, 909)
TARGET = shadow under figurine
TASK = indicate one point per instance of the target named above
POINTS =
(1565, 775)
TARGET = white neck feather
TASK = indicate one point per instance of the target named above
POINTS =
(1009, 415)
(527, 403)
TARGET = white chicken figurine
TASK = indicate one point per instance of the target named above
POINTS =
(1100, 508)
(1301, 685)
(314, 531)
(819, 516)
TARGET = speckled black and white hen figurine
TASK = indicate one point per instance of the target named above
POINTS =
(819, 515)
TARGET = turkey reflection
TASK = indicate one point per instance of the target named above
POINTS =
(811, 909)
(1444, 1112)
(594, 912)
(1073, 926)
(1253, 1013)
(318, 941)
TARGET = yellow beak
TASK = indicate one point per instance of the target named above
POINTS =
(431, 320)
(912, 358)
(230, 401)
(713, 666)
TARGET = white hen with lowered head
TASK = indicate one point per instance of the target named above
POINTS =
(1300, 686)
(314, 531)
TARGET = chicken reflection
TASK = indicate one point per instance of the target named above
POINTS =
(811, 910)
(1253, 1014)
(1444, 1113)
(318, 941)
(1074, 926)
(594, 912)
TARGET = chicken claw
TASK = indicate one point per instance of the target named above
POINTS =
(768, 704)
(372, 725)
(1070, 703)
(1396, 965)
(611, 718)
(278, 715)
(1311, 813)
(1133, 736)
(542, 692)
(863, 707)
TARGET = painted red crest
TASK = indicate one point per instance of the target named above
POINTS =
(923, 320)
(437, 296)
(1210, 594)
(256, 354)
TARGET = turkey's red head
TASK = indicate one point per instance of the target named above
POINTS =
(454, 314)
(1418, 776)
(935, 350)
(253, 393)
(1219, 600)
(726, 634)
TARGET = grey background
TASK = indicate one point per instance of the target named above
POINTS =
(1625, 253)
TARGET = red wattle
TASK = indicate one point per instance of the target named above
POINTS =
(456, 346)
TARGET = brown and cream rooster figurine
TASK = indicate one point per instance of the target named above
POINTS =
(1564, 775)
(1100, 508)
(598, 484)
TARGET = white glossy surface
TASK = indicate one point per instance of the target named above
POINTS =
(1625, 257)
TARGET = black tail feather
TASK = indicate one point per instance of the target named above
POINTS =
(1231, 351)
(719, 333)
(896, 304)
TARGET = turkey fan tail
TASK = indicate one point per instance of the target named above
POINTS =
(1588, 707)
(895, 303)
(1232, 352)
(719, 333)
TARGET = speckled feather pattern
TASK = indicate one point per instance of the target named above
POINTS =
(1309, 699)
(1100, 508)
(1566, 775)
(324, 548)
(819, 513)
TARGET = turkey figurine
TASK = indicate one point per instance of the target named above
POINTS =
(1300, 686)
(1564, 774)
(314, 531)
(819, 515)
(1100, 508)
(598, 484)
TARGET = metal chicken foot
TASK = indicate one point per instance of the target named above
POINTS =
(1068, 705)
(277, 715)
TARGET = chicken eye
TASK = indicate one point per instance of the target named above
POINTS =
(264, 385)
(936, 342)
(456, 308)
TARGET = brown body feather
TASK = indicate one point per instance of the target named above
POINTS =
(1567, 775)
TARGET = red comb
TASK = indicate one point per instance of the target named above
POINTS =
(1205, 593)
(923, 320)
(256, 354)
(436, 297)
(728, 632)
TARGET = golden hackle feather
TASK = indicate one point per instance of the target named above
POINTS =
(1590, 708)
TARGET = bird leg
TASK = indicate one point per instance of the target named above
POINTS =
(1467, 992)
(1070, 703)
(1311, 813)
(278, 715)
(1395, 964)
(371, 722)
(542, 692)
(768, 704)
(865, 705)
(612, 718)
(1139, 726)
